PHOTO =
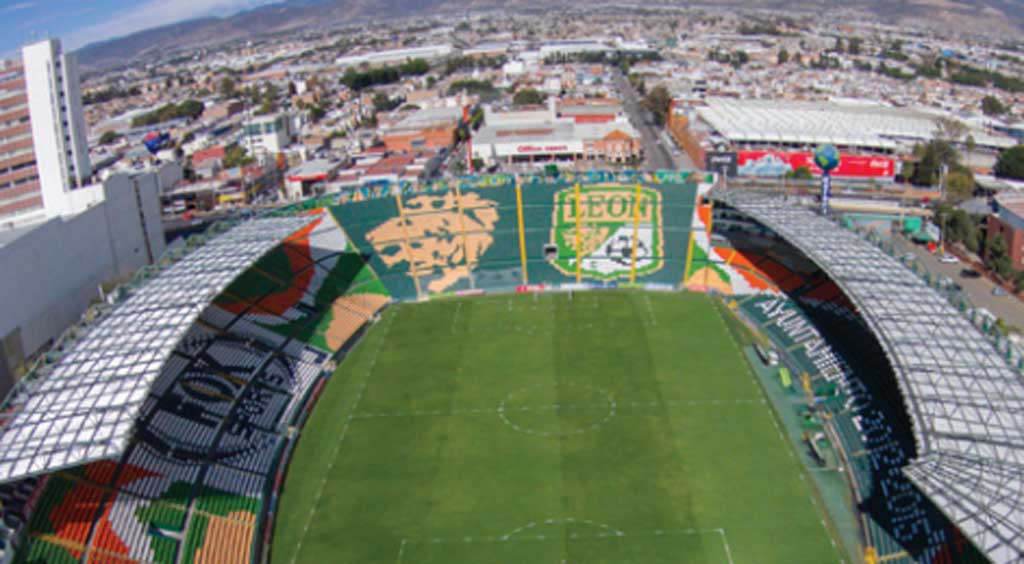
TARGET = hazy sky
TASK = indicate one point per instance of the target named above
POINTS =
(78, 22)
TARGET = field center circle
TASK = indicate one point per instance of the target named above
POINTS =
(537, 410)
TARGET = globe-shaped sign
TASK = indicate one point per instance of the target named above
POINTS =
(826, 157)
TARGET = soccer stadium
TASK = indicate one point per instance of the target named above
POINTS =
(602, 367)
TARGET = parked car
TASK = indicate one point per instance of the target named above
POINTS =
(948, 259)
(999, 291)
(969, 273)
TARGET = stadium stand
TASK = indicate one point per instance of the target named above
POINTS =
(948, 432)
(212, 431)
(444, 241)
(195, 482)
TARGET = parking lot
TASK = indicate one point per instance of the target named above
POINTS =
(979, 289)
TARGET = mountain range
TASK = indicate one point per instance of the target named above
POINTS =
(1000, 17)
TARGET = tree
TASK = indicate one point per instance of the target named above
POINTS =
(930, 158)
(270, 93)
(853, 47)
(109, 137)
(800, 173)
(317, 113)
(658, 101)
(528, 97)
(783, 56)
(228, 89)
(959, 226)
(949, 129)
(959, 186)
(383, 103)
(991, 106)
(1011, 163)
(235, 156)
(997, 257)
(739, 58)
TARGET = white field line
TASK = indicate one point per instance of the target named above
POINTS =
(455, 318)
(789, 446)
(341, 438)
(557, 407)
(725, 543)
(609, 533)
(650, 311)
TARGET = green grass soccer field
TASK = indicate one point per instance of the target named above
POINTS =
(605, 427)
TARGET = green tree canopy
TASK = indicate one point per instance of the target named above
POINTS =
(658, 101)
(959, 185)
(1011, 163)
(228, 89)
(991, 106)
(109, 137)
(800, 173)
(235, 156)
(528, 97)
(930, 158)
(383, 103)
(190, 109)
(997, 257)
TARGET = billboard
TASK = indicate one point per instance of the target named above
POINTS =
(778, 163)
(722, 162)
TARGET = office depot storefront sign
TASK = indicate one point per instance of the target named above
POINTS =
(527, 149)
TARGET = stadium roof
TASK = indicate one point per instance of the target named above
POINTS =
(84, 407)
(811, 123)
(966, 403)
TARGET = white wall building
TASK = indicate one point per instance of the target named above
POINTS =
(269, 133)
(53, 270)
(58, 125)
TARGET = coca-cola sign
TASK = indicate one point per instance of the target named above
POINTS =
(778, 163)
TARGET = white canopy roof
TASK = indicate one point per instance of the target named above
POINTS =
(84, 407)
(965, 402)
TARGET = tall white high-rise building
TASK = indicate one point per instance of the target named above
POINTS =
(58, 125)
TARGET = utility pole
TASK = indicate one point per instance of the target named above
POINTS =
(943, 168)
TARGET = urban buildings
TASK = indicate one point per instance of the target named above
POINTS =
(528, 135)
(61, 236)
(1008, 223)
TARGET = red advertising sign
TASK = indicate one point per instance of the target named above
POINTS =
(542, 149)
(778, 163)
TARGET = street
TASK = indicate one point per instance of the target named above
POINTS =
(659, 152)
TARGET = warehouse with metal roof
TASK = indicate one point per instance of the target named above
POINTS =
(852, 126)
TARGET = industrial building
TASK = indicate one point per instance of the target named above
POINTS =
(426, 52)
(851, 126)
(427, 128)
